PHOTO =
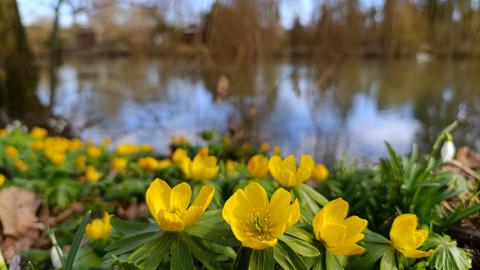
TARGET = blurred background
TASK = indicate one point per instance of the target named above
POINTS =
(331, 78)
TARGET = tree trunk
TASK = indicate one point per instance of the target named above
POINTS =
(18, 71)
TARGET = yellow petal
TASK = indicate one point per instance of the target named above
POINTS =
(412, 253)
(333, 234)
(305, 169)
(274, 166)
(180, 196)
(419, 237)
(256, 195)
(158, 196)
(294, 214)
(229, 208)
(347, 250)
(204, 197)
(278, 204)
(335, 211)
(289, 163)
(192, 215)
(257, 244)
(402, 230)
(355, 225)
(185, 165)
(317, 224)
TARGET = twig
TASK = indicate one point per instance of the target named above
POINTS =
(469, 171)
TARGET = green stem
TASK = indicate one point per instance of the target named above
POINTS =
(3, 265)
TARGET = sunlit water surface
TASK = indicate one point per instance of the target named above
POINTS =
(287, 104)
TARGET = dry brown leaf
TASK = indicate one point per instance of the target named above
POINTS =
(18, 208)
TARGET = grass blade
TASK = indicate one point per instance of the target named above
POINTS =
(76, 242)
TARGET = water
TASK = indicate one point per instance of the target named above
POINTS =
(294, 105)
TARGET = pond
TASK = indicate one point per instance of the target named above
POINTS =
(342, 110)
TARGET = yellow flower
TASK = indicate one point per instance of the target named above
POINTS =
(99, 229)
(92, 175)
(277, 151)
(255, 221)
(320, 173)
(258, 166)
(264, 147)
(286, 171)
(106, 141)
(127, 149)
(170, 207)
(146, 148)
(3, 132)
(203, 152)
(20, 165)
(11, 151)
(231, 165)
(75, 144)
(38, 132)
(57, 158)
(201, 168)
(179, 155)
(406, 238)
(339, 234)
(2, 179)
(38, 145)
(178, 139)
(80, 161)
(164, 163)
(246, 148)
(119, 164)
(148, 163)
(94, 152)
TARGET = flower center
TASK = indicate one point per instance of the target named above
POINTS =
(178, 212)
(259, 225)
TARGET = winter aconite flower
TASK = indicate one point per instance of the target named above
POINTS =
(38, 132)
(320, 172)
(286, 171)
(179, 155)
(255, 221)
(258, 166)
(11, 151)
(94, 152)
(127, 149)
(277, 151)
(231, 165)
(99, 229)
(148, 163)
(448, 149)
(146, 148)
(170, 206)
(2, 179)
(92, 175)
(163, 163)
(21, 165)
(119, 164)
(339, 234)
(264, 147)
(406, 238)
(201, 168)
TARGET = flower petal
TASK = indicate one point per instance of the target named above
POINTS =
(256, 195)
(192, 215)
(333, 234)
(169, 221)
(335, 211)
(347, 250)
(413, 253)
(180, 196)
(355, 225)
(204, 197)
(158, 196)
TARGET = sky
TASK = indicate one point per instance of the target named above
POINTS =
(31, 10)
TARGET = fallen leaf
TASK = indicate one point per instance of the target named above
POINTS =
(18, 208)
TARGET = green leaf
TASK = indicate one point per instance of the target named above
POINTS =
(151, 254)
(262, 260)
(335, 262)
(181, 258)
(388, 260)
(375, 247)
(211, 227)
(447, 255)
(76, 242)
(127, 227)
(300, 233)
(287, 259)
(130, 243)
(314, 195)
(200, 252)
(301, 247)
(460, 214)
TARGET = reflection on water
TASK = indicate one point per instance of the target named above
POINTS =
(351, 114)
